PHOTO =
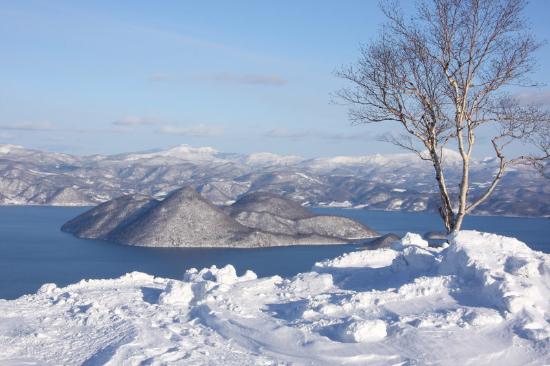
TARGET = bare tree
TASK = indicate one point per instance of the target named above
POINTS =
(443, 74)
(541, 141)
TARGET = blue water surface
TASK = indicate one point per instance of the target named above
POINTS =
(33, 250)
(535, 232)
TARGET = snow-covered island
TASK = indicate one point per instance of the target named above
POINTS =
(481, 300)
(186, 219)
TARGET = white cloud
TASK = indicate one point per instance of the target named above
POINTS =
(251, 79)
(286, 134)
(283, 133)
(225, 78)
(534, 97)
(29, 126)
(200, 130)
(134, 121)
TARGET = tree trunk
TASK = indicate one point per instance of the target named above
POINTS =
(464, 184)
(446, 209)
(458, 222)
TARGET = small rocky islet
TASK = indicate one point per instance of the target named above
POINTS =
(186, 219)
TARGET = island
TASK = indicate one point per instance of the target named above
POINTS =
(184, 218)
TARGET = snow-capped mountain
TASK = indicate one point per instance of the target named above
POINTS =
(385, 182)
(269, 159)
(181, 152)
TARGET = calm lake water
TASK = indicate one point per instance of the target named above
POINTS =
(33, 250)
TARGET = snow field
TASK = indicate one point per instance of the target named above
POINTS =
(482, 299)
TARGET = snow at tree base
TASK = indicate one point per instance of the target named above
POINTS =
(482, 299)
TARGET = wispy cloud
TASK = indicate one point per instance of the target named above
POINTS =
(160, 76)
(283, 133)
(200, 130)
(116, 129)
(5, 136)
(534, 97)
(251, 79)
(134, 121)
(199, 44)
(123, 125)
(225, 78)
(29, 126)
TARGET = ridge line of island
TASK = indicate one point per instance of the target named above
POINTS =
(186, 219)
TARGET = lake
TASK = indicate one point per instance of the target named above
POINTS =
(34, 251)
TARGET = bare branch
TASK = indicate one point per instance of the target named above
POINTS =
(440, 74)
(405, 142)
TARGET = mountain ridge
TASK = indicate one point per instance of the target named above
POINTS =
(400, 182)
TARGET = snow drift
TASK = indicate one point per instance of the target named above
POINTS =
(483, 299)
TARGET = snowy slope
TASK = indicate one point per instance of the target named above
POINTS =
(182, 152)
(380, 182)
(269, 159)
(483, 300)
(8, 148)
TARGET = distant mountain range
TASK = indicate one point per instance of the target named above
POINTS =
(381, 182)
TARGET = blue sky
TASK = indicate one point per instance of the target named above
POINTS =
(240, 76)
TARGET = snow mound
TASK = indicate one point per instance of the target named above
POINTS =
(507, 275)
(359, 331)
(198, 284)
(483, 299)
(414, 239)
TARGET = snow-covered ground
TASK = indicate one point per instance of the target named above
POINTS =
(484, 299)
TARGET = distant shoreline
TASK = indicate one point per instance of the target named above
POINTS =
(313, 207)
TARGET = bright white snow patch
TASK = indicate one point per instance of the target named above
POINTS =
(8, 148)
(344, 204)
(414, 239)
(184, 152)
(400, 190)
(484, 299)
(266, 159)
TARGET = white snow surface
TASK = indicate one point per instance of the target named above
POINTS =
(8, 148)
(184, 152)
(267, 159)
(481, 300)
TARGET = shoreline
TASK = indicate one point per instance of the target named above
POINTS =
(313, 207)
